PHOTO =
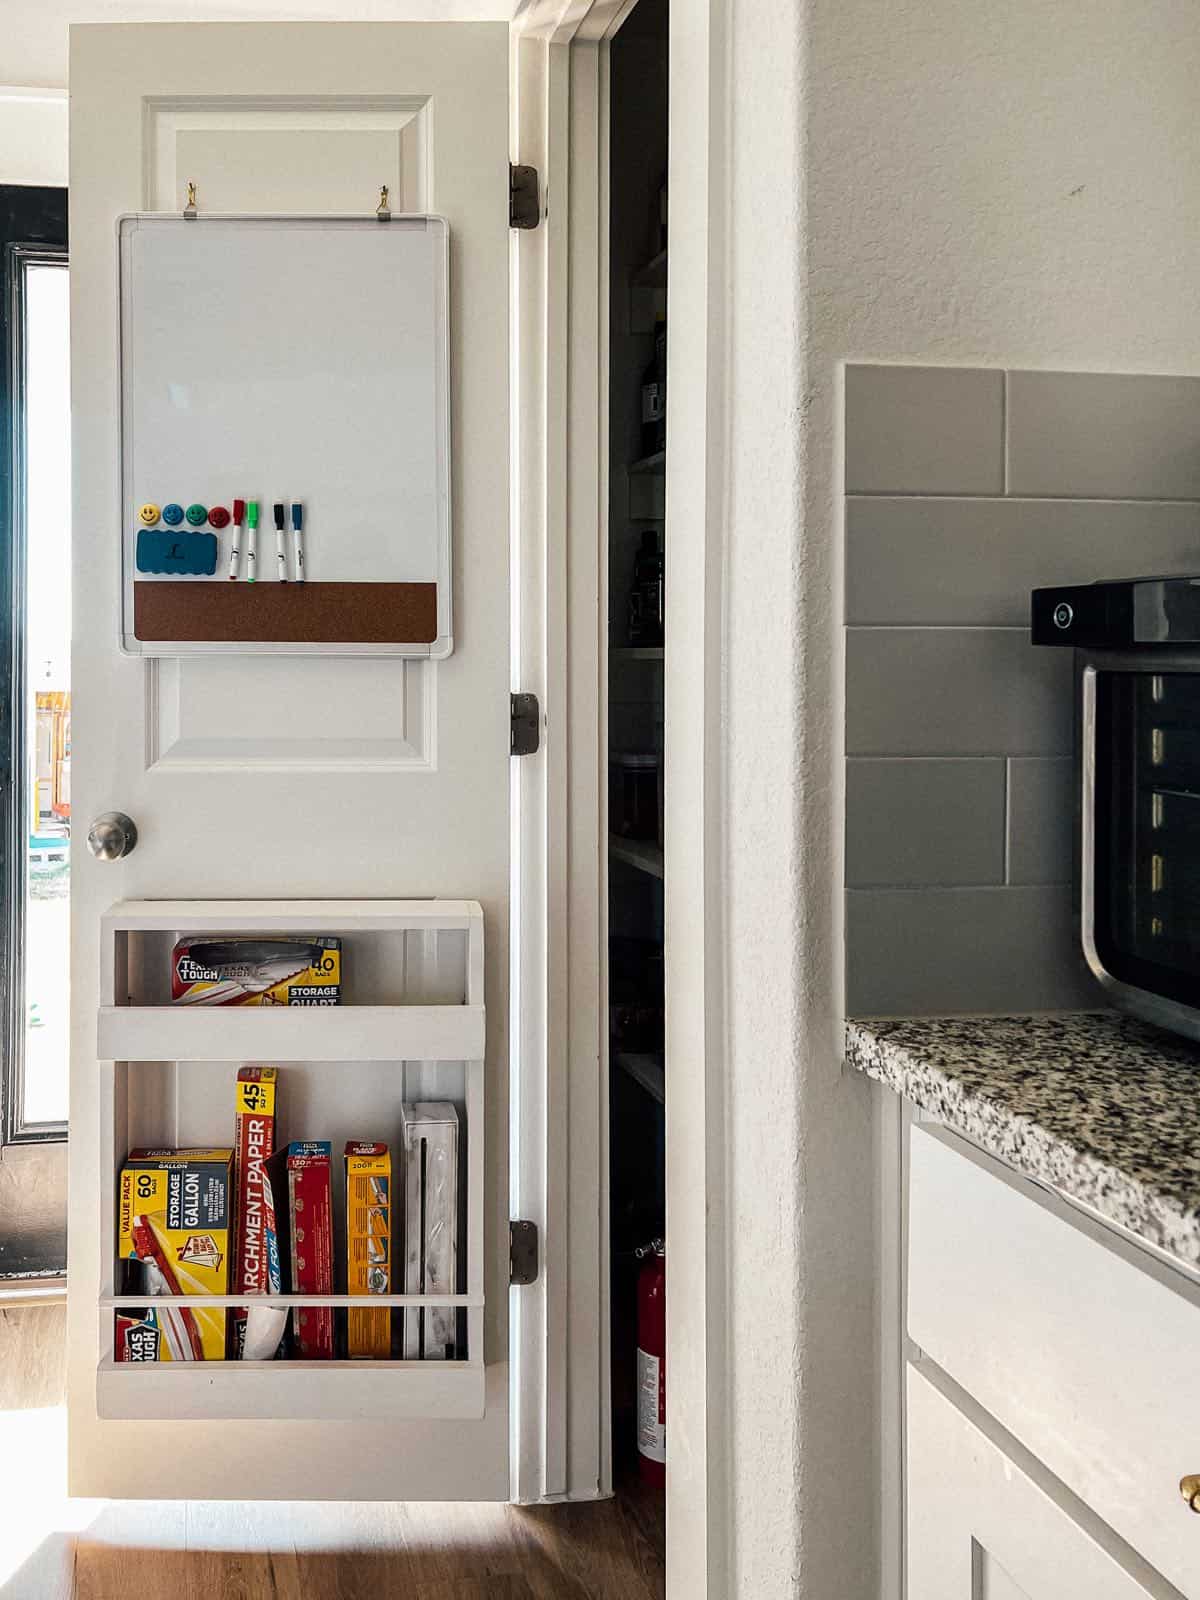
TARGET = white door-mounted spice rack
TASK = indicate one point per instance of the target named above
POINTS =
(410, 1027)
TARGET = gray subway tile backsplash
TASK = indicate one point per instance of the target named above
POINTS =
(960, 775)
(947, 561)
(1041, 820)
(955, 692)
(932, 950)
(1106, 436)
(924, 430)
(889, 804)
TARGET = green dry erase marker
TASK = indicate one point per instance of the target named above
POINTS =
(251, 540)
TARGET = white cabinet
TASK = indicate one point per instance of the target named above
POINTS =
(1071, 1350)
(980, 1528)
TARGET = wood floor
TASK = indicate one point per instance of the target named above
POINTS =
(606, 1551)
(53, 1548)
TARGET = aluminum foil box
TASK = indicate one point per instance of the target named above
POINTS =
(368, 1247)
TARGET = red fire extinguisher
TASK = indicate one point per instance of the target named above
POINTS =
(652, 1364)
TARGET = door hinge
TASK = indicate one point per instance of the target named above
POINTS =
(524, 201)
(522, 1252)
(525, 725)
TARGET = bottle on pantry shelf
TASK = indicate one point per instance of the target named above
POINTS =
(646, 593)
(654, 395)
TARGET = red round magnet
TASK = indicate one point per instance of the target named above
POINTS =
(218, 517)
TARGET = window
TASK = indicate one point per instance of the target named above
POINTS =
(35, 703)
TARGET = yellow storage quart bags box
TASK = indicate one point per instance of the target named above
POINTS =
(368, 1248)
(260, 970)
(173, 1227)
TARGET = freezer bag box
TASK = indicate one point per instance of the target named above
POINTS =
(255, 1257)
(430, 1226)
(262, 971)
(300, 1177)
(173, 1227)
(368, 1247)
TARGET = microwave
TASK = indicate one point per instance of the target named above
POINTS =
(1137, 736)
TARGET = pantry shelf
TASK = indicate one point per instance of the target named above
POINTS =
(653, 275)
(645, 1070)
(640, 853)
(638, 652)
(655, 463)
(290, 1033)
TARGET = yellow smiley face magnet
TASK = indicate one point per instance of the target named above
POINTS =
(148, 514)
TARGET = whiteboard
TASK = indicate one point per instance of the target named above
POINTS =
(296, 359)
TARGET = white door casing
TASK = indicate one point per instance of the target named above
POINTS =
(289, 778)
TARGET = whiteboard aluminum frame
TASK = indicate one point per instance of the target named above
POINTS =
(127, 642)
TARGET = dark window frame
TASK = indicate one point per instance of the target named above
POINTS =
(33, 230)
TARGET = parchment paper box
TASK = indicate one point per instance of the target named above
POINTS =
(430, 1130)
(173, 1226)
(299, 1175)
(368, 1247)
(254, 1271)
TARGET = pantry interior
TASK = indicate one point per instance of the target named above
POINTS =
(637, 259)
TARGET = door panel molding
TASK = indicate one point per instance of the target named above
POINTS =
(367, 716)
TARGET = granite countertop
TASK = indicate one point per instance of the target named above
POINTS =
(1099, 1106)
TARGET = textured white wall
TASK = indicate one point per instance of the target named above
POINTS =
(926, 181)
(33, 136)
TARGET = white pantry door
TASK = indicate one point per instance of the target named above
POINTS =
(276, 777)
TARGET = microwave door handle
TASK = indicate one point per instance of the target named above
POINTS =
(1087, 831)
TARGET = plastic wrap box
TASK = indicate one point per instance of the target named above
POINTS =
(430, 1133)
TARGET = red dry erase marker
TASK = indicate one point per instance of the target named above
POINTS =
(239, 516)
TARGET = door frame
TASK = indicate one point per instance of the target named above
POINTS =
(562, 1436)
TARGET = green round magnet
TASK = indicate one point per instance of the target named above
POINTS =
(197, 515)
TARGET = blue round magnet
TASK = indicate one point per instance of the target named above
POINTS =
(172, 515)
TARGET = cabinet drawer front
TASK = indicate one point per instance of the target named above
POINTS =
(1086, 1355)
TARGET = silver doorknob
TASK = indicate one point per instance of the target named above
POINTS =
(112, 836)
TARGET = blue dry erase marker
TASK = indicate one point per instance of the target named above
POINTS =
(298, 531)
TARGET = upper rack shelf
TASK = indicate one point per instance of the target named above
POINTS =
(128, 1031)
(290, 1033)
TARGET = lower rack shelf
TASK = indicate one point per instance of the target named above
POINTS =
(320, 1391)
(307, 1391)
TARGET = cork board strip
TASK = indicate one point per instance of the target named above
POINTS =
(285, 613)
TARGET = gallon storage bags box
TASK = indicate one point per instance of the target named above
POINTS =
(173, 1221)
(256, 1253)
(262, 971)
(430, 1226)
(301, 1194)
(368, 1247)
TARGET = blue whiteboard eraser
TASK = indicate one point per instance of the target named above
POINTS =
(178, 551)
